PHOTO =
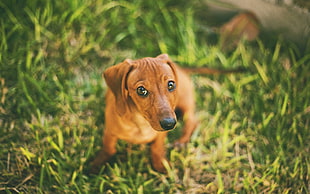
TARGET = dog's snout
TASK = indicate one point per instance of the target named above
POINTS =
(168, 123)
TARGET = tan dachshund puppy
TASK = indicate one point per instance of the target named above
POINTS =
(141, 101)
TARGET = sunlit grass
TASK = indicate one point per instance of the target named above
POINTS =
(253, 135)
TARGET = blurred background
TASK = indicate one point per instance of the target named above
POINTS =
(287, 19)
(254, 130)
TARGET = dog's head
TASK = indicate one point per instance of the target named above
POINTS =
(147, 85)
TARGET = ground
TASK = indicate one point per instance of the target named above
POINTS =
(253, 135)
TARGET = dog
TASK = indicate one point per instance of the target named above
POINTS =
(142, 99)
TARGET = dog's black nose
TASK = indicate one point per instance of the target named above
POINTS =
(168, 123)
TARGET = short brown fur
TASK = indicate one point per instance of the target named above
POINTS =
(146, 119)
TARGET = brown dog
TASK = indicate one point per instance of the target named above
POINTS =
(141, 101)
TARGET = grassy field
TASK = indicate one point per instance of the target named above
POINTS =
(254, 131)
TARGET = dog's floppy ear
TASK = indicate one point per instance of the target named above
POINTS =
(164, 57)
(116, 78)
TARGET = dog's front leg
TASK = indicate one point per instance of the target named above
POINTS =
(107, 151)
(158, 152)
(190, 124)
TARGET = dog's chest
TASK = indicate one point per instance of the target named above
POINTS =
(139, 131)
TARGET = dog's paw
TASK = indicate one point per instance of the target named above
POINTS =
(180, 143)
(161, 166)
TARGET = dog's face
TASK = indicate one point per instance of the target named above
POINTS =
(150, 86)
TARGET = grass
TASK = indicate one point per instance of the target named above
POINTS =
(254, 130)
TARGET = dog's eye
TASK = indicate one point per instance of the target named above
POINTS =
(171, 86)
(141, 91)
